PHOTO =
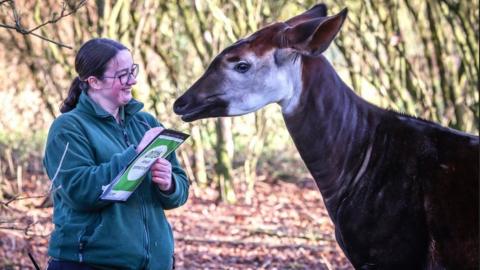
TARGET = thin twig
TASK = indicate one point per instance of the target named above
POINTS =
(18, 198)
(8, 26)
(62, 15)
(55, 18)
(326, 262)
(52, 41)
(27, 231)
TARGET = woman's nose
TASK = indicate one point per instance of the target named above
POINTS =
(131, 80)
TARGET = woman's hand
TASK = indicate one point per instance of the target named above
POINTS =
(162, 174)
(148, 137)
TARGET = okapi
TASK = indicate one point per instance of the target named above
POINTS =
(401, 191)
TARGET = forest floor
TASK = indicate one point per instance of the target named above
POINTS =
(285, 226)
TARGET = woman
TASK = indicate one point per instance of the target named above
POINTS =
(100, 131)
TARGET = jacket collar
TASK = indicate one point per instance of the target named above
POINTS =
(87, 105)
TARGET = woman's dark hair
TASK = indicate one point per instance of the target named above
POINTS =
(91, 60)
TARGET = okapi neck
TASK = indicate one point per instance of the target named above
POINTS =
(332, 129)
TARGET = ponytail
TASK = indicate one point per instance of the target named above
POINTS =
(73, 95)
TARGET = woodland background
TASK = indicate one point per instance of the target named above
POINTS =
(416, 57)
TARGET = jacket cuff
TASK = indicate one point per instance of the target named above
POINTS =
(172, 192)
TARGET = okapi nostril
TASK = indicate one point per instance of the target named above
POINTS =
(179, 105)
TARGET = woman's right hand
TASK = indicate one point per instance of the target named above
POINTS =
(148, 137)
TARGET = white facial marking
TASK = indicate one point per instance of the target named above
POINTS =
(264, 83)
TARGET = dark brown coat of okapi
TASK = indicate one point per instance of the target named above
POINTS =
(402, 192)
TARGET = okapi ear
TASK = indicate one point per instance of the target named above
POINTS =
(314, 36)
(316, 11)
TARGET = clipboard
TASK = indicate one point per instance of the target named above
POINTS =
(128, 180)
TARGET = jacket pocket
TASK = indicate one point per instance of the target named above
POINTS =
(86, 234)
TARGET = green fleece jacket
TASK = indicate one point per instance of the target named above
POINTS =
(86, 148)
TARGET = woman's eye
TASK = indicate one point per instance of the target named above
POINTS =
(123, 75)
(242, 67)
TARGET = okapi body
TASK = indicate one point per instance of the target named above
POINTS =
(401, 191)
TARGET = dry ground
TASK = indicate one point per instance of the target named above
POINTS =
(285, 227)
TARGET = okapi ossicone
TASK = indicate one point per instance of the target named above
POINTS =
(401, 191)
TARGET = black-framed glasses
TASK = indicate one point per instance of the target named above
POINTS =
(125, 75)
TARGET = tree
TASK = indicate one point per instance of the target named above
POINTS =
(419, 57)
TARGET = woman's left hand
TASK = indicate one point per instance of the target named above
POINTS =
(162, 174)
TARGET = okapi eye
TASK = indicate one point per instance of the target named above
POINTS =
(242, 67)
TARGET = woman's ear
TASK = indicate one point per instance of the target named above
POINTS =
(93, 83)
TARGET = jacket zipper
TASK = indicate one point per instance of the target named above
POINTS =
(80, 252)
(124, 132)
(143, 208)
(144, 217)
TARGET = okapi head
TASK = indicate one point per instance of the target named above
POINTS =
(260, 69)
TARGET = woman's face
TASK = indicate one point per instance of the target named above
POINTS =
(116, 84)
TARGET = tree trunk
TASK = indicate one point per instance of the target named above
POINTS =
(223, 168)
(255, 148)
(199, 170)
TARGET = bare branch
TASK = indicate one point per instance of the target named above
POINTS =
(71, 6)
(55, 19)
(8, 26)
(52, 41)
(4, 1)
(18, 198)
